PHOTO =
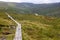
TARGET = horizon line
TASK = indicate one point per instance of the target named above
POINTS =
(31, 2)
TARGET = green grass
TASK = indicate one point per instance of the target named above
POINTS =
(39, 27)
(5, 22)
(34, 27)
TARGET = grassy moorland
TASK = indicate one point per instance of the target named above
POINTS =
(5, 24)
(33, 27)
(45, 26)
(38, 27)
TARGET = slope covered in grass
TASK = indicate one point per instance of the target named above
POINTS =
(33, 27)
(5, 26)
(50, 9)
(38, 27)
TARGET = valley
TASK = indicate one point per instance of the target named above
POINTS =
(44, 26)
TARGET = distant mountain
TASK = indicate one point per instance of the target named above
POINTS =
(51, 9)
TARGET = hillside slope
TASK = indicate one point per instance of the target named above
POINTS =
(33, 27)
(6, 26)
(38, 27)
(52, 9)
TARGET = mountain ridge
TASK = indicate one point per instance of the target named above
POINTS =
(30, 8)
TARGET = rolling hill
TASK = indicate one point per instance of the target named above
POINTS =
(33, 27)
(51, 9)
(44, 26)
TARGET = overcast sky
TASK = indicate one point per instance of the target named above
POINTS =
(33, 1)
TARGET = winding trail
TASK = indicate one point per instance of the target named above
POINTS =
(18, 34)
